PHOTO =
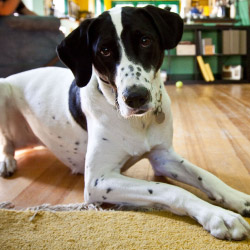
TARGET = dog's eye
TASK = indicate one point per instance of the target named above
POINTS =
(145, 41)
(105, 51)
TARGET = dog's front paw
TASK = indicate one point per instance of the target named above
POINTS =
(7, 165)
(224, 224)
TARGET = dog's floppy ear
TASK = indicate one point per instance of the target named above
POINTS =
(75, 53)
(168, 24)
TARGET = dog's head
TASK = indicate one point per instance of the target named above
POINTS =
(125, 48)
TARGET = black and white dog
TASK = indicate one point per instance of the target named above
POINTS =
(112, 111)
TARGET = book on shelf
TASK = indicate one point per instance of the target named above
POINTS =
(234, 42)
(209, 71)
(207, 46)
(205, 70)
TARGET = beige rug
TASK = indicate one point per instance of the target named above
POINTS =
(105, 230)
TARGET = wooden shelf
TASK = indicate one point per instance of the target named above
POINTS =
(195, 33)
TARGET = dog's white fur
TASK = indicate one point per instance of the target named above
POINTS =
(34, 111)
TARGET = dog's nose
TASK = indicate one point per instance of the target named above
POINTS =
(136, 96)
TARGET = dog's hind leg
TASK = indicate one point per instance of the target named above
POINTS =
(7, 150)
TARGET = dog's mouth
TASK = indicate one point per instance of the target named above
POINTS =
(138, 112)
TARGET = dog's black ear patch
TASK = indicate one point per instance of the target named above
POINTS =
(75, 53)
(168, 24)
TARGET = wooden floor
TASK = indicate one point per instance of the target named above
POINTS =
(212, 130)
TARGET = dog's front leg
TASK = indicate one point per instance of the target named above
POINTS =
(104, 183)
(167, 162)
(7, 149)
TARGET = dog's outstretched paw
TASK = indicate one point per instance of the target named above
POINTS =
(7, 166)
(239, 202)
(246, 208)
(225, 225)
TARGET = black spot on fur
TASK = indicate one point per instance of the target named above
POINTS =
(105, 198)
(75, 148)
(247, 204)
(131, 68)
(96, 182)
(89, 194)
(126, 74)
(77, 143)
(212, 198)
(199, 178)
(246, 213)
(138, 68)
(59, 137)
(138, 74)
(157, 183)
(109, 190)
(75, 106)
(122, 69)
(53, 117)
(104, 139)
(174, 175)
(182, 161)
(150, 191)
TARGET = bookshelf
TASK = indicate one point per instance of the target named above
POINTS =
(186, 67)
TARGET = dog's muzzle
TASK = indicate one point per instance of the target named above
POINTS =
(136, 98)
